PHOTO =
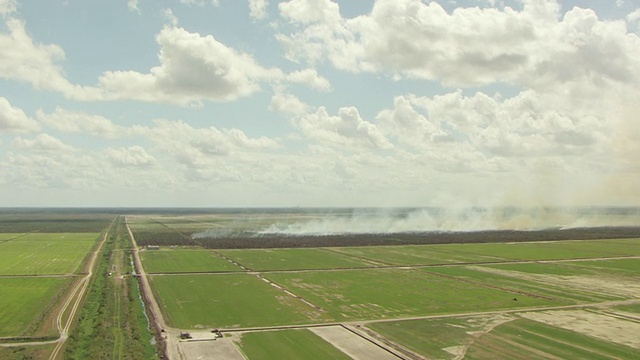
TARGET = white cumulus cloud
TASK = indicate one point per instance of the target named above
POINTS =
(466, 47)
(345, 129)
(75, 122)
(24, 60)
(192, 68)
(13, 119)
(310, 78)
(42, 143)
(134, 156)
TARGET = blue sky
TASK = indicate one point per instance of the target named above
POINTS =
(319, 103)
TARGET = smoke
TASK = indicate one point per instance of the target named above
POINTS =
(391, 221)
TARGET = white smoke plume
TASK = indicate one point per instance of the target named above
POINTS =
(390, 221)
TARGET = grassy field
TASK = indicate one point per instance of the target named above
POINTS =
(526, 339)
(292, 259)
(432, 338)
(288, 344)
(177, 261)
(400, 285)
(628, 267)
(8, 236)
(349, 292)
(26, 352)
(547, 281)
(229, 300)
(38, 254)
(23, 302)
(534, 251)
(414, 254)
(634, 308)
(483, 337)
(390, 293)
(492, 252)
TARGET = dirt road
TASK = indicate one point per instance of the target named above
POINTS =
(172, 335)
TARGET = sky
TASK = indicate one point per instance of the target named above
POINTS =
(319, 103)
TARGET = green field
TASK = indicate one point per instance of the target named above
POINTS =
(535, 251)
(549, 281)
(395, 293)
(515, 339)
(177, 261)
(431, 337)
(38, 253)
(41, 251)
(228, 300)
(483, 337)
(415, 254)
(288, 344)
(9, 236)
(26, 352)
(634, 308)
(619, 247)
(625, 267)
(23, 302)
(492, 252)
(292, 259)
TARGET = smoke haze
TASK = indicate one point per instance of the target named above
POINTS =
(390, 221)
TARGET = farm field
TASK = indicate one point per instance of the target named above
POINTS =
(304, 301)
(511, 336)
(397, 293)
(228, 301)
(436, 338)
(41, 255)
(473, 299)
(547, 283)
(24, 301)
(338, 282)
(416, 254)
(294, 259)
(552, 250)
(184, 261)
(45, 253)
(288, 344)
(526, 339)
(493, 252)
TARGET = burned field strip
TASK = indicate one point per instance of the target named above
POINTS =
(248, 241)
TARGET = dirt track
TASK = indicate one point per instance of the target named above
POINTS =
(171, 338)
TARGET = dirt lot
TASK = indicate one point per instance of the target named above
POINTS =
(214, 349)
(351, 344)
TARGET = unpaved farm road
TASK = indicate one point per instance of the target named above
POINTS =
(77, 294)
(171, 335)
